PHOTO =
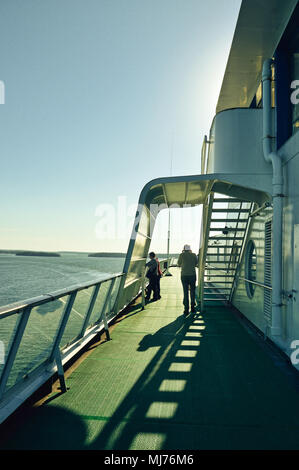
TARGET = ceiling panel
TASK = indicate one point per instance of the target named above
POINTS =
(260, 26)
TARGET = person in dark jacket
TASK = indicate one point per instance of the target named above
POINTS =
(159, 272)
(187, 262)
(152, 275)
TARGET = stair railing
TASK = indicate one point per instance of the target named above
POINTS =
(238, 220)
(206, 222)
(242, 251)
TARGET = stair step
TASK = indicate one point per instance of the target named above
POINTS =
(219, 275)
(211, 262)
(214, 262)
(224, 246)
(243, 221)
(218, 298)
(221, 254)
(226, 238)
(218, 269)
(223, 294)
(222, 262)
(228, 199)
(216, 294)
(230, 211)
(211, 299)
(214, 256)
(213, 292)
(229, 229)
(216, 287)
(216, 282)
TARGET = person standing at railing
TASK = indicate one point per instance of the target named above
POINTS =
(188, 261)
(152, 275)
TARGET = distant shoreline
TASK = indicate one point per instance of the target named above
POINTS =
(107, 255)
(62, 253)
(123, 255)
(37, 253)
(29, 253)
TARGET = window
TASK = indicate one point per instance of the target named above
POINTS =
(258, 101)
(250, 268)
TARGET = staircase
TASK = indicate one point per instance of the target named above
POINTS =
(225, 228)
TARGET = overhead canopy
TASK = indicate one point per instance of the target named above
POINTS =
(260, 26)
(193, 190)
(177, 191)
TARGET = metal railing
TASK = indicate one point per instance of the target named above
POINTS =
(41, 334)
(243, 246)
(255, 283)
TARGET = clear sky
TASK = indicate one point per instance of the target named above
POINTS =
(98, 95)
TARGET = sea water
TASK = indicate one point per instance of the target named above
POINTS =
(24, 277)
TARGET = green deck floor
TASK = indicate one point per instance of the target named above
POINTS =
(165, 382)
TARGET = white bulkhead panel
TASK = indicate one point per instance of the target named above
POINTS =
(236, 143)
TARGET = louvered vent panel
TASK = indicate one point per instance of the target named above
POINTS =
(268, 271)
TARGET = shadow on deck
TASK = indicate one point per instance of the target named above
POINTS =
(169, 382)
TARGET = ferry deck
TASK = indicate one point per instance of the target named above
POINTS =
(164, 381)
(223, 378)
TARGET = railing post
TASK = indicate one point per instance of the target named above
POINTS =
(92, 301)
(14, 348)
(106, 327)
(117, 305)
(60, 371)
(55, 354)
(242, 251)
(103, 313)
(238, 220)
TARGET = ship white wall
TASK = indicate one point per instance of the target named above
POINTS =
(253, 308)
(236, 143)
